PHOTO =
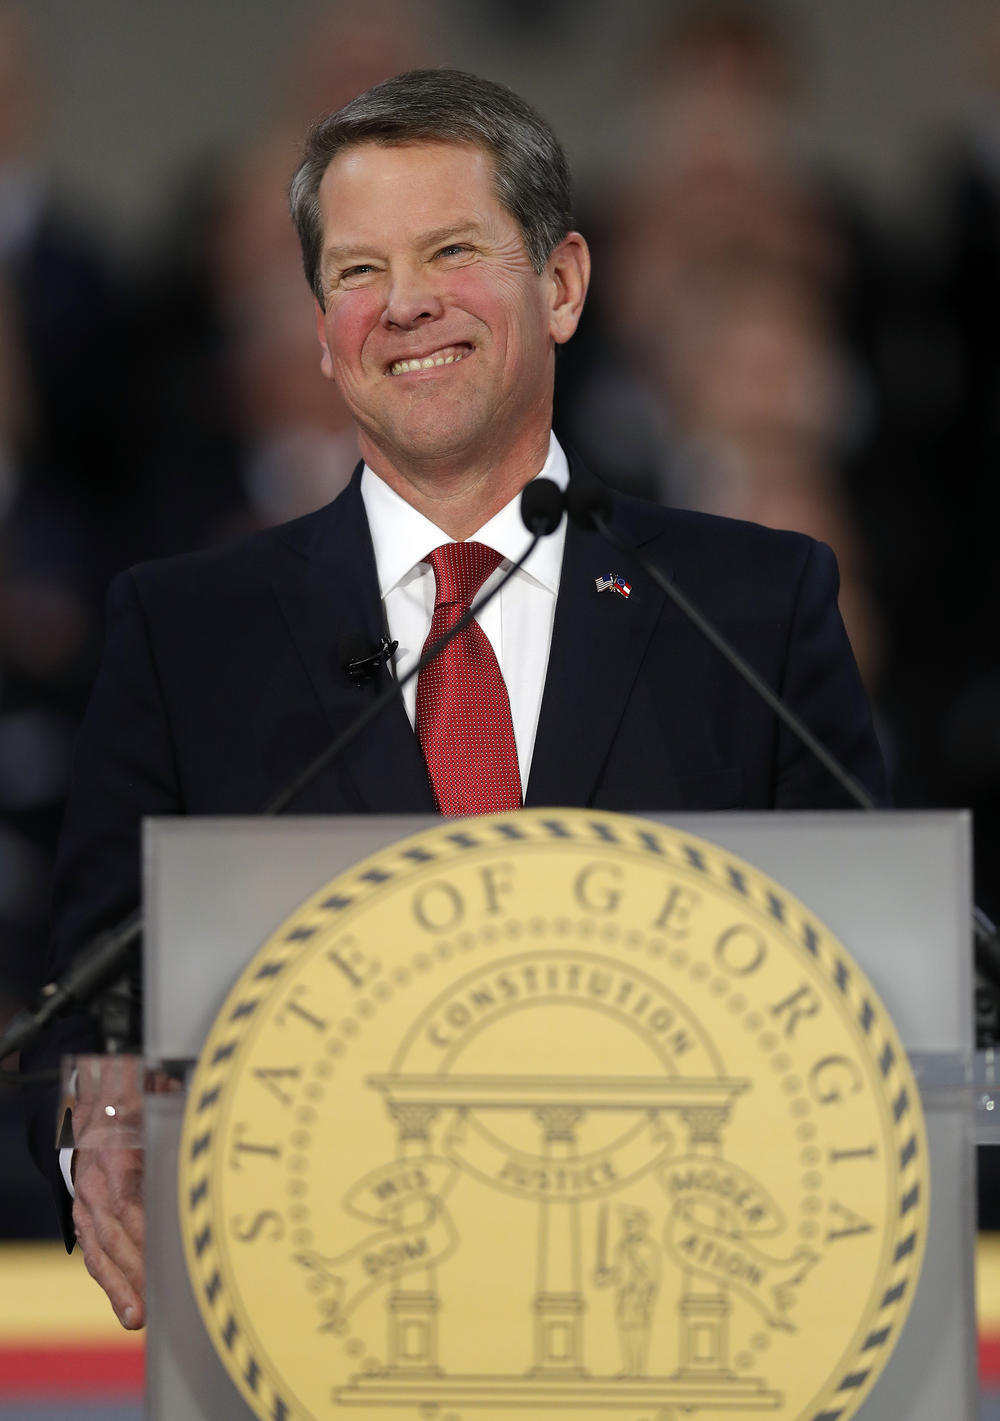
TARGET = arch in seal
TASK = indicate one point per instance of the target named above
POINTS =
(556, 1138)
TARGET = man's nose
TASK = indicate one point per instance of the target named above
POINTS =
(411, 299)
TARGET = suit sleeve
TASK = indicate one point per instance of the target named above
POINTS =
(822, 685)
(123, 769)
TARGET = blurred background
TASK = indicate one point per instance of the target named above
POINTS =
(795, 218)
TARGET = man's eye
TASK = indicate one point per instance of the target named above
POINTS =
(362, 269)
(454, 249)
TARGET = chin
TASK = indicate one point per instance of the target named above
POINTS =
(440, 440)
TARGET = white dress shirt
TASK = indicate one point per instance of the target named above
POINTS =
(518, 622)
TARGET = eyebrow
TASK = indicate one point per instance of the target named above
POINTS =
(336, 256)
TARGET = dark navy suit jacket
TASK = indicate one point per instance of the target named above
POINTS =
(224, 675)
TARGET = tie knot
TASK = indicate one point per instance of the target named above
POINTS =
(460, 569)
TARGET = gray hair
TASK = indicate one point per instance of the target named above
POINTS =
(444, 106)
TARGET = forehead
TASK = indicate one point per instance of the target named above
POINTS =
(372, 190)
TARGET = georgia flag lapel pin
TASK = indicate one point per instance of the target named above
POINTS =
(610, 581)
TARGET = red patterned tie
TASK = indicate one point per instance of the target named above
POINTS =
(463, 712)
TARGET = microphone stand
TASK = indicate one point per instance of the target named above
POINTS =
(590, 507)
(104, 960)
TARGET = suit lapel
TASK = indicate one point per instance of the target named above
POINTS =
(330, 600)
(598, 642)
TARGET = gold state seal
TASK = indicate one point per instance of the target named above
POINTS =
(553, 1112)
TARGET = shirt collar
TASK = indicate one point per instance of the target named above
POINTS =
(401, 536)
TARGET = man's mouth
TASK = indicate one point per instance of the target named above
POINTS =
(447, 355)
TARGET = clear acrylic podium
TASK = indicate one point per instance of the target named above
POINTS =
(894, 888)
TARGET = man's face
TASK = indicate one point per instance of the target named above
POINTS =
(437, 330)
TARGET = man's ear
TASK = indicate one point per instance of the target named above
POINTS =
(325, 363)
(568, 271)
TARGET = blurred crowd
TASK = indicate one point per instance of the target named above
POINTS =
(756, 345)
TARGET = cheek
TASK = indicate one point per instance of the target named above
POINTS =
(348, 325)
(481, 296)
(512, 309)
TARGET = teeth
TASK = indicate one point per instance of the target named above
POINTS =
(403, 367)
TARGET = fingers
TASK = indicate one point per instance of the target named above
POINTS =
(110, 1226)
(108, 1210)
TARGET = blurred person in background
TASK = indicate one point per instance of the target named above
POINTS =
(945, 676)
(727, 267)
(63, 514)
(242, 429)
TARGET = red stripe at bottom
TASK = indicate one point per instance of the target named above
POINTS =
(989, 1357)
(119, 1372)
(78, 1371)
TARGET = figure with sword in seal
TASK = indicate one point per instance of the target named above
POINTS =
(634, 1270)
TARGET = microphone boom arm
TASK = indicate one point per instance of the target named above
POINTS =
(592, 508)
(104, 959)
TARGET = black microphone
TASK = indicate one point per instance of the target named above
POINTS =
(542, 504)
(363, 666)
(103, 959)
(589, 505)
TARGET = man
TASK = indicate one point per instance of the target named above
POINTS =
(434, 218)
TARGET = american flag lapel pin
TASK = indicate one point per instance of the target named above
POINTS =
(610, 581)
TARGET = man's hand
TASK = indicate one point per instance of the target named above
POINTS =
(108, 1212)
(110, 1226)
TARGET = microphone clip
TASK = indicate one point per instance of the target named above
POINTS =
(361, 669)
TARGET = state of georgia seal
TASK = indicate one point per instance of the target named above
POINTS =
(553, 1112)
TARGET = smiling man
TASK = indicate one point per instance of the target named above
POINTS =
(434, 217)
